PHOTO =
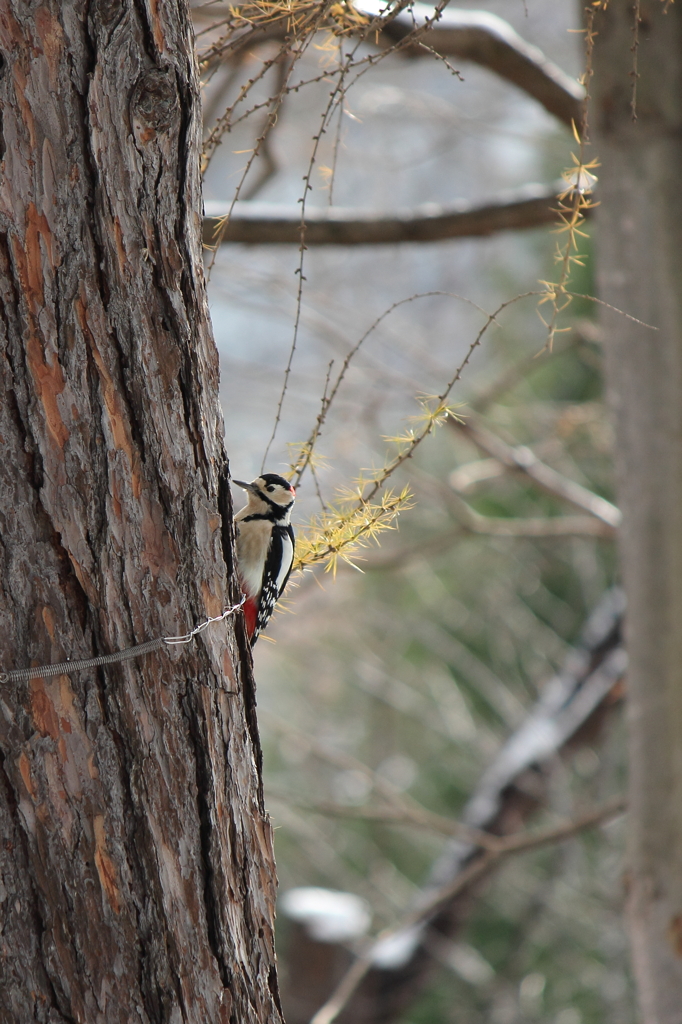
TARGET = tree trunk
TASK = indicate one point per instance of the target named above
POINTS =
(137, 878)
(639, 245)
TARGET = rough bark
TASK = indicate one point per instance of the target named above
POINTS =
(136, 869)
(639, 248)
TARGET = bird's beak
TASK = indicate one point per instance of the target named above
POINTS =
(242, 483)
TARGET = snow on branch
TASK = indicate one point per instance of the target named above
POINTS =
(276, 224)
(475, 36)
(488, 40)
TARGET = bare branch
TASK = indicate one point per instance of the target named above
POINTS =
(269, 164)
(474, 36)
(417, 817)
(521, 459)
(471, 474)
(508, 791)
(546, 526)
(307, 449)
(538, 838)
(400, 806)
(490, 41)
(400, 554)
(530, 840)
(277, 224)
(482, 865)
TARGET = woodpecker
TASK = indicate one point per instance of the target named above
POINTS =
(265, 546)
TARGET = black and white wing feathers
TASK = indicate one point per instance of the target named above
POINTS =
(278, 563)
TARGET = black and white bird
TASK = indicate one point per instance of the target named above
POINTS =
(265, 546)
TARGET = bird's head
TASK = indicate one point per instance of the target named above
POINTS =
(269, 491)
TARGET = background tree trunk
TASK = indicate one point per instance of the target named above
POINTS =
(639, 239)
(137, 879)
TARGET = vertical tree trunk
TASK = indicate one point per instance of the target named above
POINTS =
(136, 870)
(639, 248)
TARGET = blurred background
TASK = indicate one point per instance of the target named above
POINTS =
(392, 690)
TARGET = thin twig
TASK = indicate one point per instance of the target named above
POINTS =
(307, 448)
(422, 819)
(336, 96)
(296, 41)
(318, 489)
(583, 333)
(634, 50)
(614, 309)
(441, 399)
(224, 123)
(307, 187)
(359, 521)
(401, 803)
(468, 36)
(215, 101)
(366, 62)
(335, 155)
(270, 121)
(263, 144)
(305, 455)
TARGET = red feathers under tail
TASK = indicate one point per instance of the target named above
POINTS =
(250, 616)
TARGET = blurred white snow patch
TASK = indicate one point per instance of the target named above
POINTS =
(328, 915)
(395, 950)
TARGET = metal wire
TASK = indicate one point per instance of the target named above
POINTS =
(21, 675)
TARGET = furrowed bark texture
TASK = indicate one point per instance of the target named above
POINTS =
(136, 870)
(639, 246)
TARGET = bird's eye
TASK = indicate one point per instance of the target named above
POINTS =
(270, 487)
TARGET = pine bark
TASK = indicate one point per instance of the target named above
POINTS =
(137, 877)
(639, 259)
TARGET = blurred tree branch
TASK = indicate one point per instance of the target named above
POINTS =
(521, 459)
(422, 818)
(399, 805)
(475, 36)
(276, 224)
(502, 526)
(539, 527)
(493, 857)
(491, 42)
(508, 793)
